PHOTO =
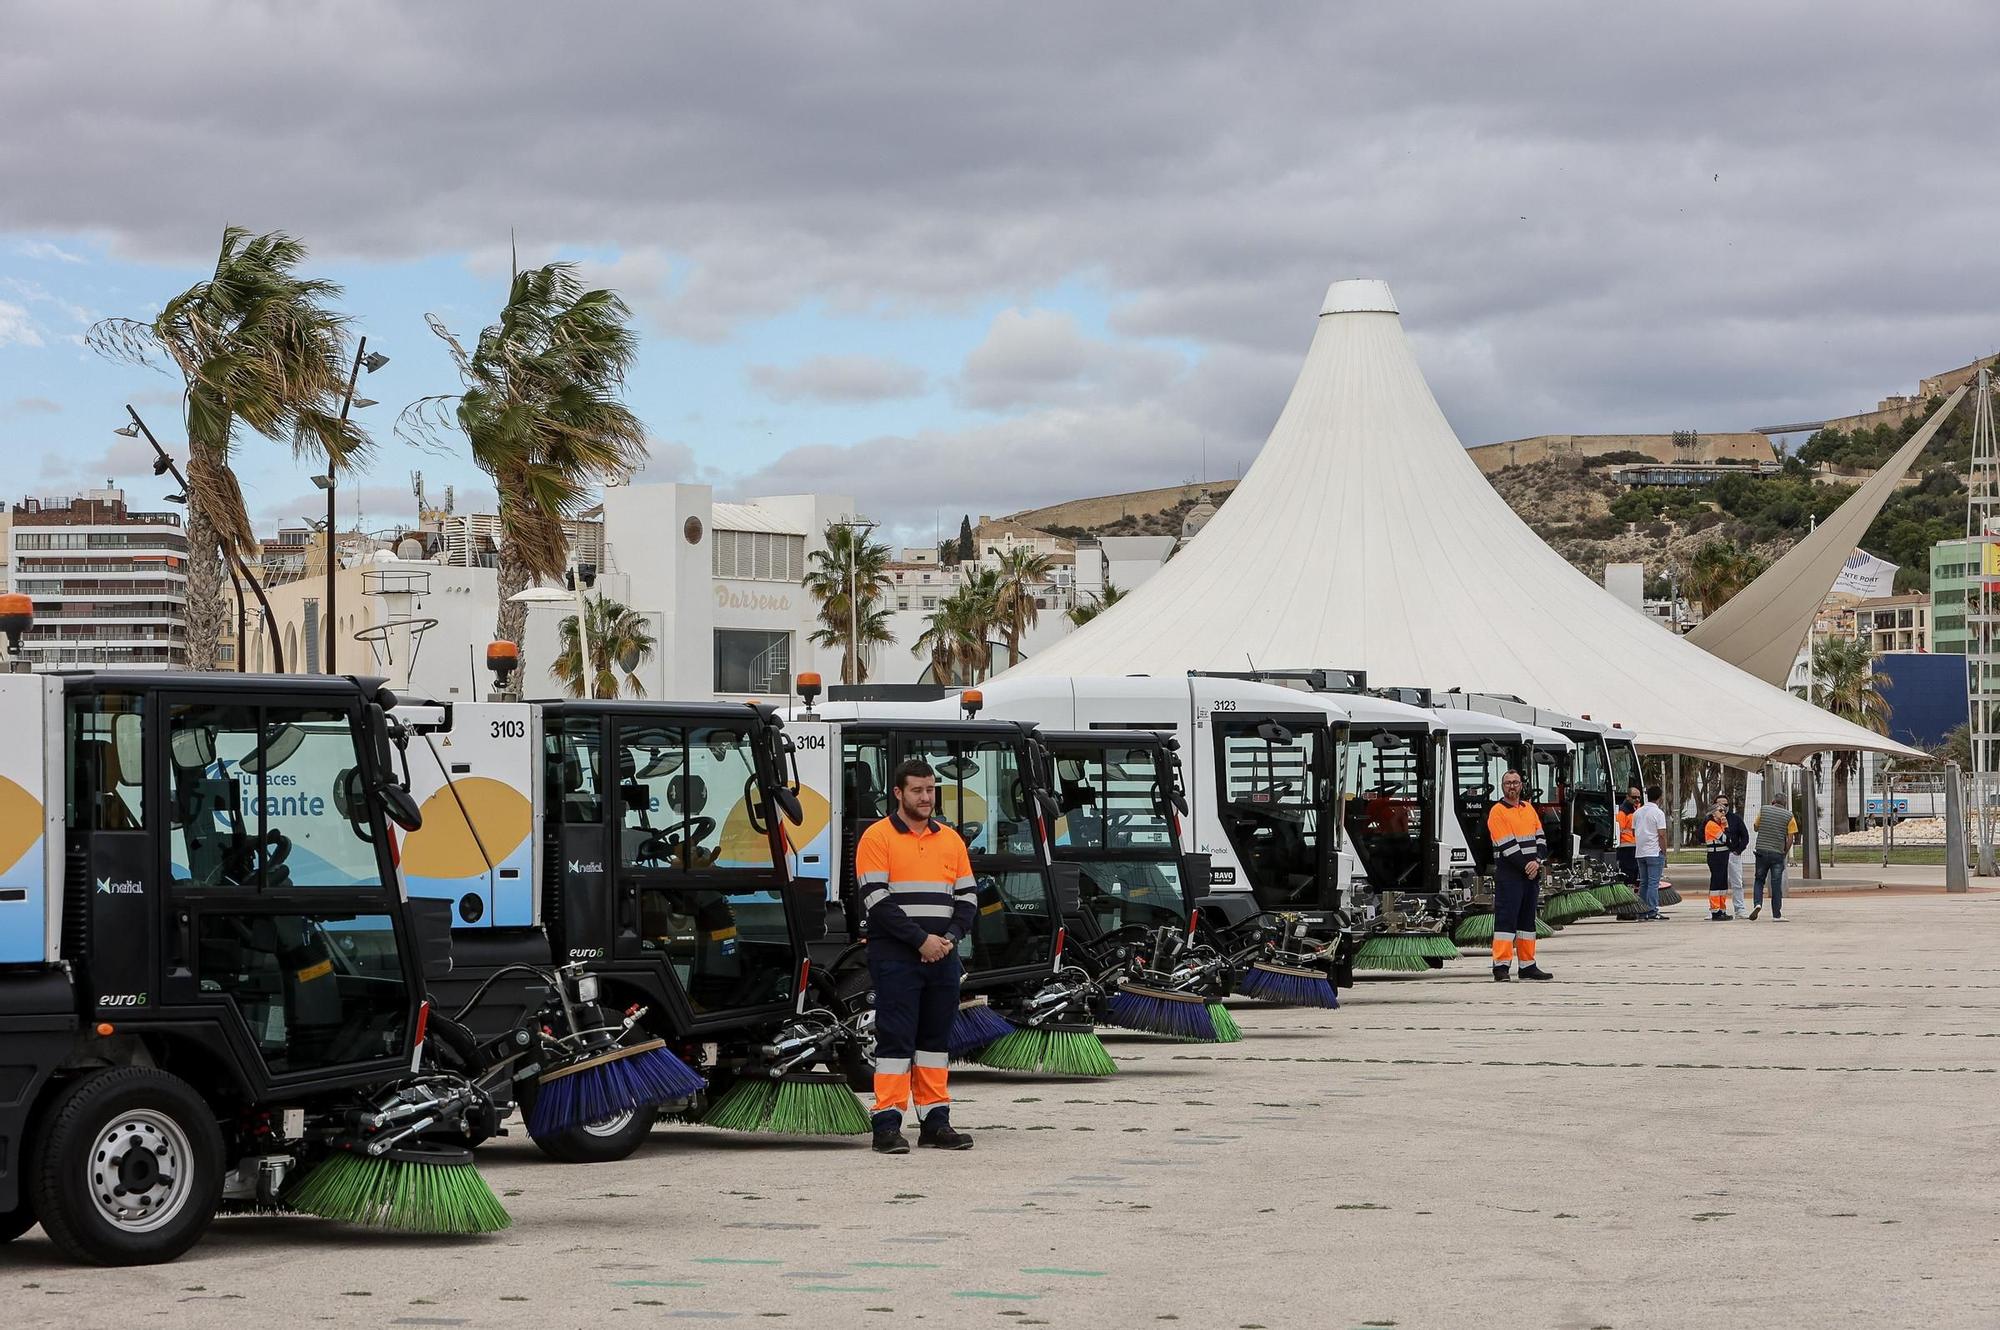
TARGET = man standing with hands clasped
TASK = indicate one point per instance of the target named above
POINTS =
(1518, 855)
(918, 893)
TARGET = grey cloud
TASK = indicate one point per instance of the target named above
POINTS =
(36, 406)
(839, 379)
(1042, 357)
(1596, 217)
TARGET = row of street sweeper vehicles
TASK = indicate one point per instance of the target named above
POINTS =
(282, 943)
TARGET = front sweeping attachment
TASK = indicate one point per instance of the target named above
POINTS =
(975, 1026)
(1406, 951)
(1285, 986)
(1158, 1011)
(415, 1188)
(799, 1103)
(617, 1081)
(1054, 1049)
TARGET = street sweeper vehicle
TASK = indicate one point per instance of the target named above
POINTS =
(1028, 1005)
(211, 983)
(1136, 927)
(628, 936)
(1263, 791)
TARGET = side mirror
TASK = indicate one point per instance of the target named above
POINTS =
(1273, 733)
(1382, 741)
(788, 804)
(1195, 873)
(1068, 882)
(401, 807)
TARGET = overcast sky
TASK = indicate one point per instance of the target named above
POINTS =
(955, 258)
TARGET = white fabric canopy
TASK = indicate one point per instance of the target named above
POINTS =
(1364, 537)
(1762, 627)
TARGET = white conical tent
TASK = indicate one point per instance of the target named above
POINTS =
(1364, 537)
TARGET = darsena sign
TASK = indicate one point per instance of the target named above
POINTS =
(769, 602)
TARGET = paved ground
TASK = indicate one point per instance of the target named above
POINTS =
(1750, 1124)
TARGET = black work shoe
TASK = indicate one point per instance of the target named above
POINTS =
(934, 1131)
(1756, 910)
(1535, 972)
(889, 1133)
(1500, 974)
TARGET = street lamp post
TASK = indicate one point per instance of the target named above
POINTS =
(857, 529)
(163, 464)
(362, 360)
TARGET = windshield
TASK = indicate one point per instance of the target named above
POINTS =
(1276, 804)
(1388, 786)
(689, 799)
(1624, 766)
(1477, 766)
(1114, 800)
(980, 791)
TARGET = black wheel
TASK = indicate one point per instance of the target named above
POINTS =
(15, 1222)
(605, 1142)
(126, 1168)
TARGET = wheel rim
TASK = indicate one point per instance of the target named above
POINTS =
(138, 1171)
(864, 1035)
(610, 1126)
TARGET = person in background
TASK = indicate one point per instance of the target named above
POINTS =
(1628, 857)
(1777, 830)
(1737, 838)
(1649, 850)
(1715, 839)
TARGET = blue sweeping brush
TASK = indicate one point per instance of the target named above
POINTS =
(1157, 1011)
(975, 1026)
(1284, 986)
(608, 1084)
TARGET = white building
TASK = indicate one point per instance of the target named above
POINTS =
(109, 585)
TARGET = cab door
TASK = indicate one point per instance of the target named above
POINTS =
(277, 869)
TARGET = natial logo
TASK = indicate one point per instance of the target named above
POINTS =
(106, 887)
(578, 866)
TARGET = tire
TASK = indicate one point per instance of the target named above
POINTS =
(126, 1168)
(1435, 962)
(604, 1142)
(15, 1222)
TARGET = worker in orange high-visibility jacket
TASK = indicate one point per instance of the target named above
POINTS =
(920, 899)
(1519, 851)
(1628, 837)
(1715, 836)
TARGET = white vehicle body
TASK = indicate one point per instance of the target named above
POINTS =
(1214, 720)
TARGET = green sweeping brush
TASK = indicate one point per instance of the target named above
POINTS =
(1053, 1049)
(1227, 1031)
(1405, 951)
(418, 1188)
(799, 1103)
(1615, 896)
(1566, 907)
(1474, 930)
(1668, 896)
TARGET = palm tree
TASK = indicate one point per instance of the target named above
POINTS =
(541, 408)
(980, 597)
(1718, 570)
(1083, 614)
(619, 643)
(826, 581)
(951, 639)
(1844, 682)
(258, 346)
(1021, 571)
